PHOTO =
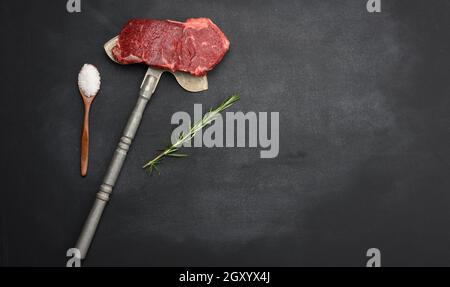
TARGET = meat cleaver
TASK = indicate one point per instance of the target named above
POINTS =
(148, 86)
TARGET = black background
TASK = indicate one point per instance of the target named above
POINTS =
(364, 138)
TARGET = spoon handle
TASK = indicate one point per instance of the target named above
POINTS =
(85, 141)
(84, 241)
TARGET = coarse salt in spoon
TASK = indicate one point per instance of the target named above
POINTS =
(89, 85)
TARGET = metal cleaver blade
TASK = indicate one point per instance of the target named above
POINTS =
(185, 80)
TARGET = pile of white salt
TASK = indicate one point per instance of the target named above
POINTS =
(89, 80)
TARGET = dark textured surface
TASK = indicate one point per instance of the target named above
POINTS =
(364, 138)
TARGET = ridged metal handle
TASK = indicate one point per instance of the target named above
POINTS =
(84, 241)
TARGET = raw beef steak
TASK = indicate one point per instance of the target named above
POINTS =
(195, 46)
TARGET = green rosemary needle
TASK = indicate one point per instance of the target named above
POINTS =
(172, 150)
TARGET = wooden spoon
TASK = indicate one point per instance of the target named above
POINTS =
(88, 85)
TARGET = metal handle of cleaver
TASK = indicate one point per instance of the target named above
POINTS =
(90, 226)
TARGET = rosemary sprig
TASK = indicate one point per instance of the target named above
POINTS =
(172, 150)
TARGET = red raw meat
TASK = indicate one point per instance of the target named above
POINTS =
(195, 46)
